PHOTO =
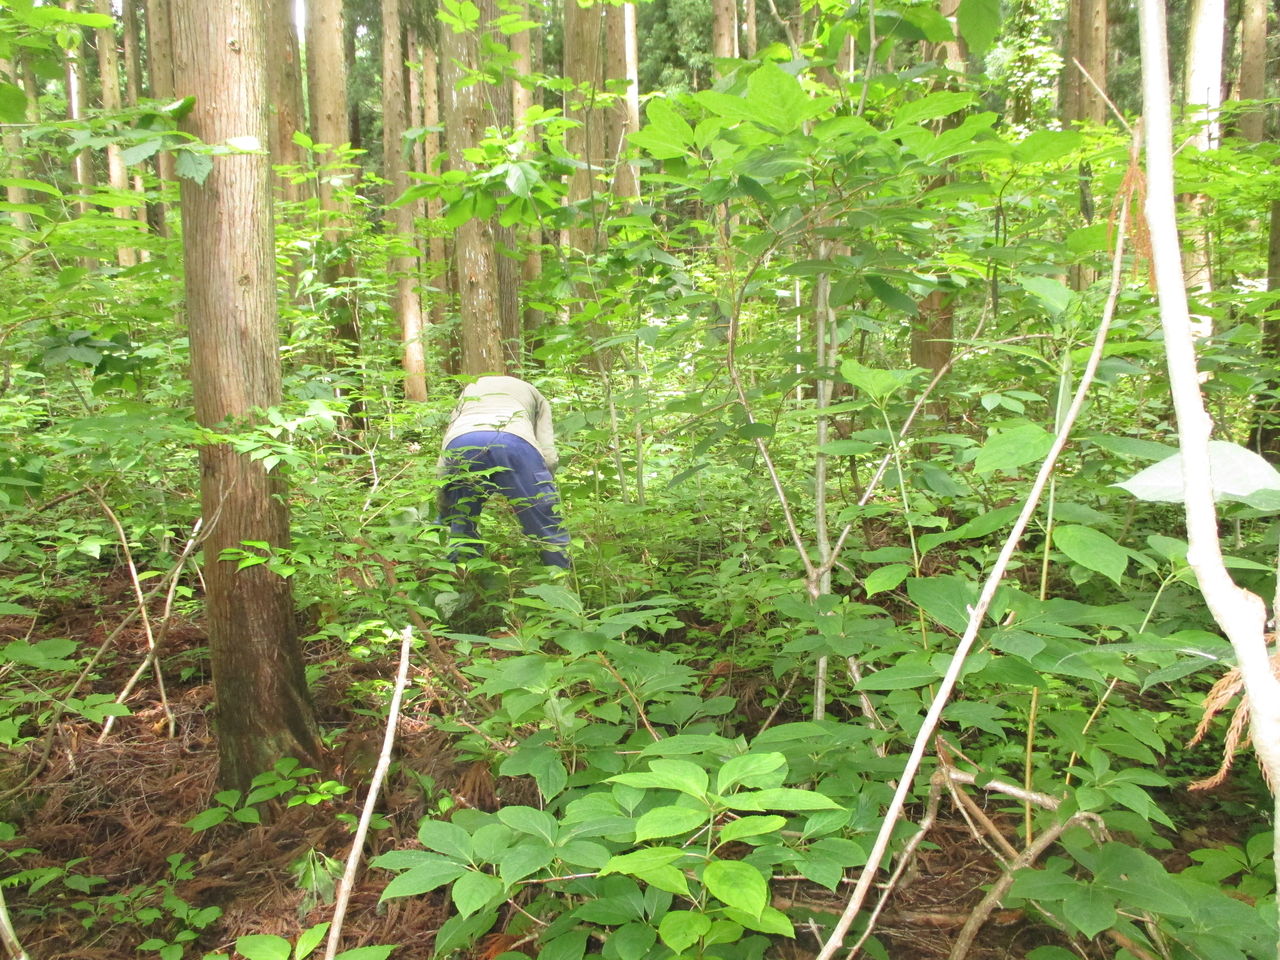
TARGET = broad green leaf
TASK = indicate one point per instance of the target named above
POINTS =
(192, 166)
(309, 939)
(912, 671)
(933, 106)
(207, 818)
(1090, 909)
(678, 775)
(780, 798)
(644, 859)
(777, 100)
(262, 946)
(13, 103)
(891, 296)
(751, 767)
(877, 384)
(1045, 885)
(473, 890)
(738, 885)
(684, 744)
(669, 822)
(631, 941)
(771, 920)
(667, 135)
(946, 599)
(1010, 449)
(444, 837)
(423, 879)
(525, 859)
(1054, 294)
(979, 23)
(1093, 550)
(374, 952)
(681, 929)
(567, 946)
(886, 578)
(530, 820)
(544, 764)
(751, 827)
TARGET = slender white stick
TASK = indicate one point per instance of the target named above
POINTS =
(371, 801)
(979, 611)
(1241, 615)
(12, 946)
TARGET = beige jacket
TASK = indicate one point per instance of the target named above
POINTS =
(507, 405)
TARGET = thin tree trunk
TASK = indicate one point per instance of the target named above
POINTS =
(1253, 67)
(263, 708)
(404, 264)
(160, 71)
(474, 252)
(77, 107)
(1203, 100)
(11, 162)
(522, 99)
(749, 28)
(583, 45)
(109, 76)
(724, 29)
(132, 94)
(285, 112)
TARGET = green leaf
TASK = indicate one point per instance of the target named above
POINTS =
(771, 920)
(1054, 294)
(946, 599)
(667, 135)
(877, 384)
(1237, 474)
(423, 879)
(934, 106)
(914, 670)
(525, 859)
(1090, 909)
(749, 767)
(444, 837)
(530, 820)
(207, 818)
(738, 885)
(375, 952)
(645, 859)
(751, 827)
(631, 941)
(474, 890)
(309, 939)
(681, 929)
(13, 104)
(192, 166)
(669, 822)
(261, 946)
(891, 296)
(979, 23)
(1010, 449)
(886, 578)
(780, 798)
(1045, 885)
(678, 775)
(544, 764)
(567, 946)
(1093, 550)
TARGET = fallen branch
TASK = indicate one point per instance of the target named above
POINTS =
(375, 786)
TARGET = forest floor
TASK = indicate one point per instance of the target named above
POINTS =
(110, 812)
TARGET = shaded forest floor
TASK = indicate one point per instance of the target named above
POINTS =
(106, 816)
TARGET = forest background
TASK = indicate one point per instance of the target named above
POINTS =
(811, 286)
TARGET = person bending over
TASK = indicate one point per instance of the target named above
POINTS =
(500, 440)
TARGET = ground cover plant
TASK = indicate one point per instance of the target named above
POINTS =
(842, 315)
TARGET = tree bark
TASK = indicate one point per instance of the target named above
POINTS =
(1087, 43)
(160, 72)
(407, 303)
(1253, 67)
(12, 161)
(132, 51)
(1202, 91)
(284, 80)
(584, 34)
(724, 29)
(623, 62)
(109, 76)
(522, 100)
(263, 708)
(474, 252)
(77, 107)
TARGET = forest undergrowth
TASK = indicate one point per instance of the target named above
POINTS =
(106, 857)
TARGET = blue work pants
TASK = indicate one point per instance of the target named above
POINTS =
(484, 462)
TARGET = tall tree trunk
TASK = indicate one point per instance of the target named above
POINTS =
(1203, 100)
(437, 274)
(584, 35)
(77, 107)
(1253, 67)
(404, 265)
(522, 100)
(11, 162)
(263, 708)
(624, 117)
(749, 28)
(284, 79)
(1087, 43)
(109, 76)
(160, 72)
(724, 29)
(474, 251)
(132, 51)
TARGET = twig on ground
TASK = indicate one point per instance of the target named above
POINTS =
(964, 940)
(375, 786)
(153, 644)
